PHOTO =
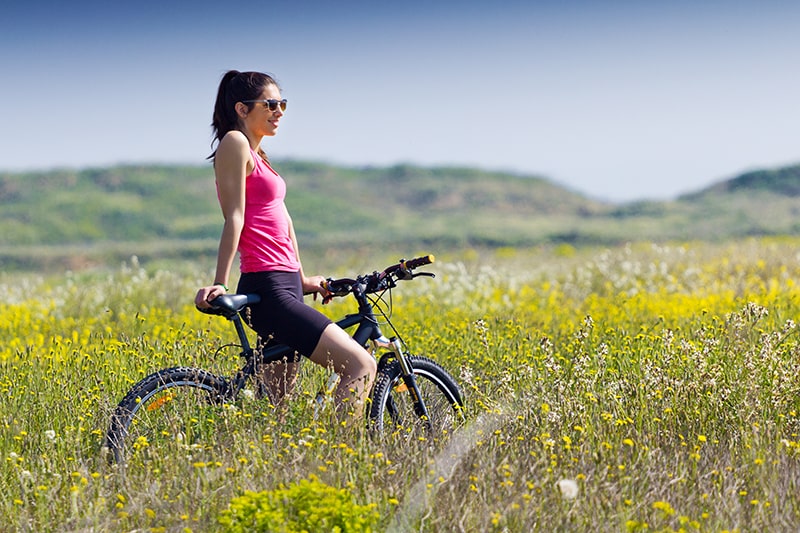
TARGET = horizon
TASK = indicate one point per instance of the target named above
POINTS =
(618, 102)
(279, 161)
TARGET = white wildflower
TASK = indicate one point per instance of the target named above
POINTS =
(568, 488)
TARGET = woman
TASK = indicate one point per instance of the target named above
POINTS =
(257, 224)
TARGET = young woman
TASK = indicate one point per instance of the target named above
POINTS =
(251, 194)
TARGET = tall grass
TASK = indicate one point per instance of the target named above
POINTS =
(636, 388)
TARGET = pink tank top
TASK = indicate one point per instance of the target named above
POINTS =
(265, 243)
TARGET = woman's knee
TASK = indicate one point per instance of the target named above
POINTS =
(366, 364)
(338, 349)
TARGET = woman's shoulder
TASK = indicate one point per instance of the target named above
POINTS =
(234, 140)
(234, 146)
(234, 154)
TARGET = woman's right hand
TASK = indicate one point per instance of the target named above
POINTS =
(206, 294)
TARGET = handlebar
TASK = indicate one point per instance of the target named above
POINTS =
(228, 305)
(378, 281)
(411, 264)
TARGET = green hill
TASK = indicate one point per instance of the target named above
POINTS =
(172, 211)
(783, 181)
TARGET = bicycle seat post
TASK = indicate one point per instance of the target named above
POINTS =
(240, 331)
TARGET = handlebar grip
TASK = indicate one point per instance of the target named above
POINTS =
(338, 287)
(411, 264)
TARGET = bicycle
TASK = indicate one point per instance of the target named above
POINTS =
(411, 394)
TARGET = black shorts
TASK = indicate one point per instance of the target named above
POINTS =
(281, 317)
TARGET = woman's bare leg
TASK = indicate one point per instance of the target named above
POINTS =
(278, 379)
(356, 367)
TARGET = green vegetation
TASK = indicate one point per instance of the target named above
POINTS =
(614, 380)
(637, 388)
(78, 218)
(308, 505)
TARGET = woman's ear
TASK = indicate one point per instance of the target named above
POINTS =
(241, 109)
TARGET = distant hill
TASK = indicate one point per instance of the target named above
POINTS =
(172, 210)
(762, 202)
(783, 181)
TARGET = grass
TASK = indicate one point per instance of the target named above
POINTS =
(642, 388)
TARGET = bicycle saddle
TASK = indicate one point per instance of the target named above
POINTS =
(228, 305)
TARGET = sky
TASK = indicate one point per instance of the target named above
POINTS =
(620, 100)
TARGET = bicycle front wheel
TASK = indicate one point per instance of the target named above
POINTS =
(169, 410)
(392, 407)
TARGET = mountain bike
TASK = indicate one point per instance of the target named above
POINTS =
(412, 395)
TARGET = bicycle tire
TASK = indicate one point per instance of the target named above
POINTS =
(162, 408)
(392, 408)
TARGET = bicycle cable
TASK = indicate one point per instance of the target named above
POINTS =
(384, 308)
(225, 346)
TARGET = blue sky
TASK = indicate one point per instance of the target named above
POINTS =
(619, 100)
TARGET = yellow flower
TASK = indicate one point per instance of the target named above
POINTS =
(665, 507)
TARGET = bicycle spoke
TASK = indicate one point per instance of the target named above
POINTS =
(168, 412)
(393, 404)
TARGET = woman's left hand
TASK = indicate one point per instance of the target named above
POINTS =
(315, 285)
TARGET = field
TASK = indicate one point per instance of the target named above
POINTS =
(639, 388)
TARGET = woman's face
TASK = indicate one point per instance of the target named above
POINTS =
(260, 120)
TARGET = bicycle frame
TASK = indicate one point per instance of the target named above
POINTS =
(368, 330)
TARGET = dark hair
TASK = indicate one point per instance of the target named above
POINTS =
(235, 87)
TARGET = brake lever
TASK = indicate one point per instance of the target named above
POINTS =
(404, 274)
(426, 274)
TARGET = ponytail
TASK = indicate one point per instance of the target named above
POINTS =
(235, 87)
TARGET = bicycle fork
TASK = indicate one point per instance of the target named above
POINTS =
(407, 374)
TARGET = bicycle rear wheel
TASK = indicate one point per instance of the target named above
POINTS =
(392, 407)
(169, 410)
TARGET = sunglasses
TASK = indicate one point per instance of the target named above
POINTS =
(271, 104)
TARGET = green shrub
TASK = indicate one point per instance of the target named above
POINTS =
(307, 506)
